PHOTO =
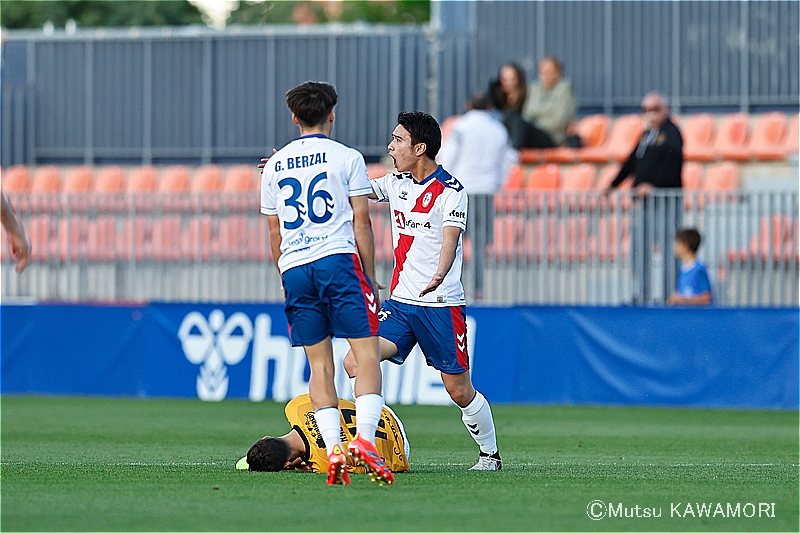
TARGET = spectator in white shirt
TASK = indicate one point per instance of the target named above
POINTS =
(479, 154)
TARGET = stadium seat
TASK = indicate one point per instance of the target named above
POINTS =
(611, 239)
(604, 179)
(625, 133)
(174, 179)
(509, 198)
(102, 238)
(142, 179)
(78, 180)
(539, 238)
(769, 131)
(692, 181)
(698, 137)
(577, 182)
(571, 239)
(207, 178)
(720, 183)
(771, 240)
(74, 238)
(593, 130)
(43, 232)
(543, 183)
(239, 178)
(110, 179)
(16, 179)
(506, 238)
(46, 180)
(731, 142)
(790, 144)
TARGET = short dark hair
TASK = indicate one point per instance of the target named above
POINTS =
(268, 454)
(480, 100)
(311, 102)
(690, 237)
(423, 128)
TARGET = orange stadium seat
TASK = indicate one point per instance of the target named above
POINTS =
(766, 143)
(790, 144)
(16, 179)
(593, 130)
(78, 180)
(732, 136)
(515, 179)
(543, 181)
(174, 179)
(692, 181)
(239, 178)
(506, 238)
(142, 179)
(605, 177)
(46, 179)
(207, 178)
(723, 176)
(625, 133)
(578, 180)
(110, 179)
(772, 238)
(698, 137)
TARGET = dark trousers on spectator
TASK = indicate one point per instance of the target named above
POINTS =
(523, 134)
(656, 219)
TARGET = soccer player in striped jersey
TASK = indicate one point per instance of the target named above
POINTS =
(304, 449)
(314, 193)
(426, 305)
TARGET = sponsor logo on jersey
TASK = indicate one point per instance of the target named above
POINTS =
(457, 214)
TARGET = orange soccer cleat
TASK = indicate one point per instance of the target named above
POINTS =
(365, 453)
(337, 467)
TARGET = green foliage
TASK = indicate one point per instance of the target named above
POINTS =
(92, 464)
(16, 14)
(281, 12)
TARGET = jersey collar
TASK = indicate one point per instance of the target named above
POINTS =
(312, 136)
(436, 174)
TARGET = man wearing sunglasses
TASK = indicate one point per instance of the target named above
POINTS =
(655, 162)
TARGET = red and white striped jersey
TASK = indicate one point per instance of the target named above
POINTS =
(420, 211)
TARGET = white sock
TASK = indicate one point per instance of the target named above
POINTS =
(329, 426)
(368, 412)
(352, 380)
(477, 416)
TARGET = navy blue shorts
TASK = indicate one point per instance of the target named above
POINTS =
(329, 297)
(440, 331)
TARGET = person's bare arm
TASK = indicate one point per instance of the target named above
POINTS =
(703, 298)
(446, 257)
(365, 240)
(17, 240)
(274, 224)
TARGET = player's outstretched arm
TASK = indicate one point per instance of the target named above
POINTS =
(274, 224)
(365, 240)
(18, 241)
(447, 255)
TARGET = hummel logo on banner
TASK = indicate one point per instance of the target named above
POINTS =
(473, 428)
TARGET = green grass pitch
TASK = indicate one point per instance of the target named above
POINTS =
(96, 464)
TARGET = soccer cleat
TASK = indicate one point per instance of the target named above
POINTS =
(337, 467)
(488, 462)
(365, 453)
(241, 464)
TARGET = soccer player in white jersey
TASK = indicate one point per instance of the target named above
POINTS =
(314, 193)
(426, 305)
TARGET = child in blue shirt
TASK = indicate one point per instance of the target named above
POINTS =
(694, 286)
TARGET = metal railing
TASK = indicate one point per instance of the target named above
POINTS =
(542, 248)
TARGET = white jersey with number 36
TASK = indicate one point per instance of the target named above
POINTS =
(419, 213)
(308, 184)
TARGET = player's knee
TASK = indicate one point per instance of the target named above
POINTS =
(350, 363)
(461, 393)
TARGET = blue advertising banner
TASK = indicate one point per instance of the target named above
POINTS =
(732, 358)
